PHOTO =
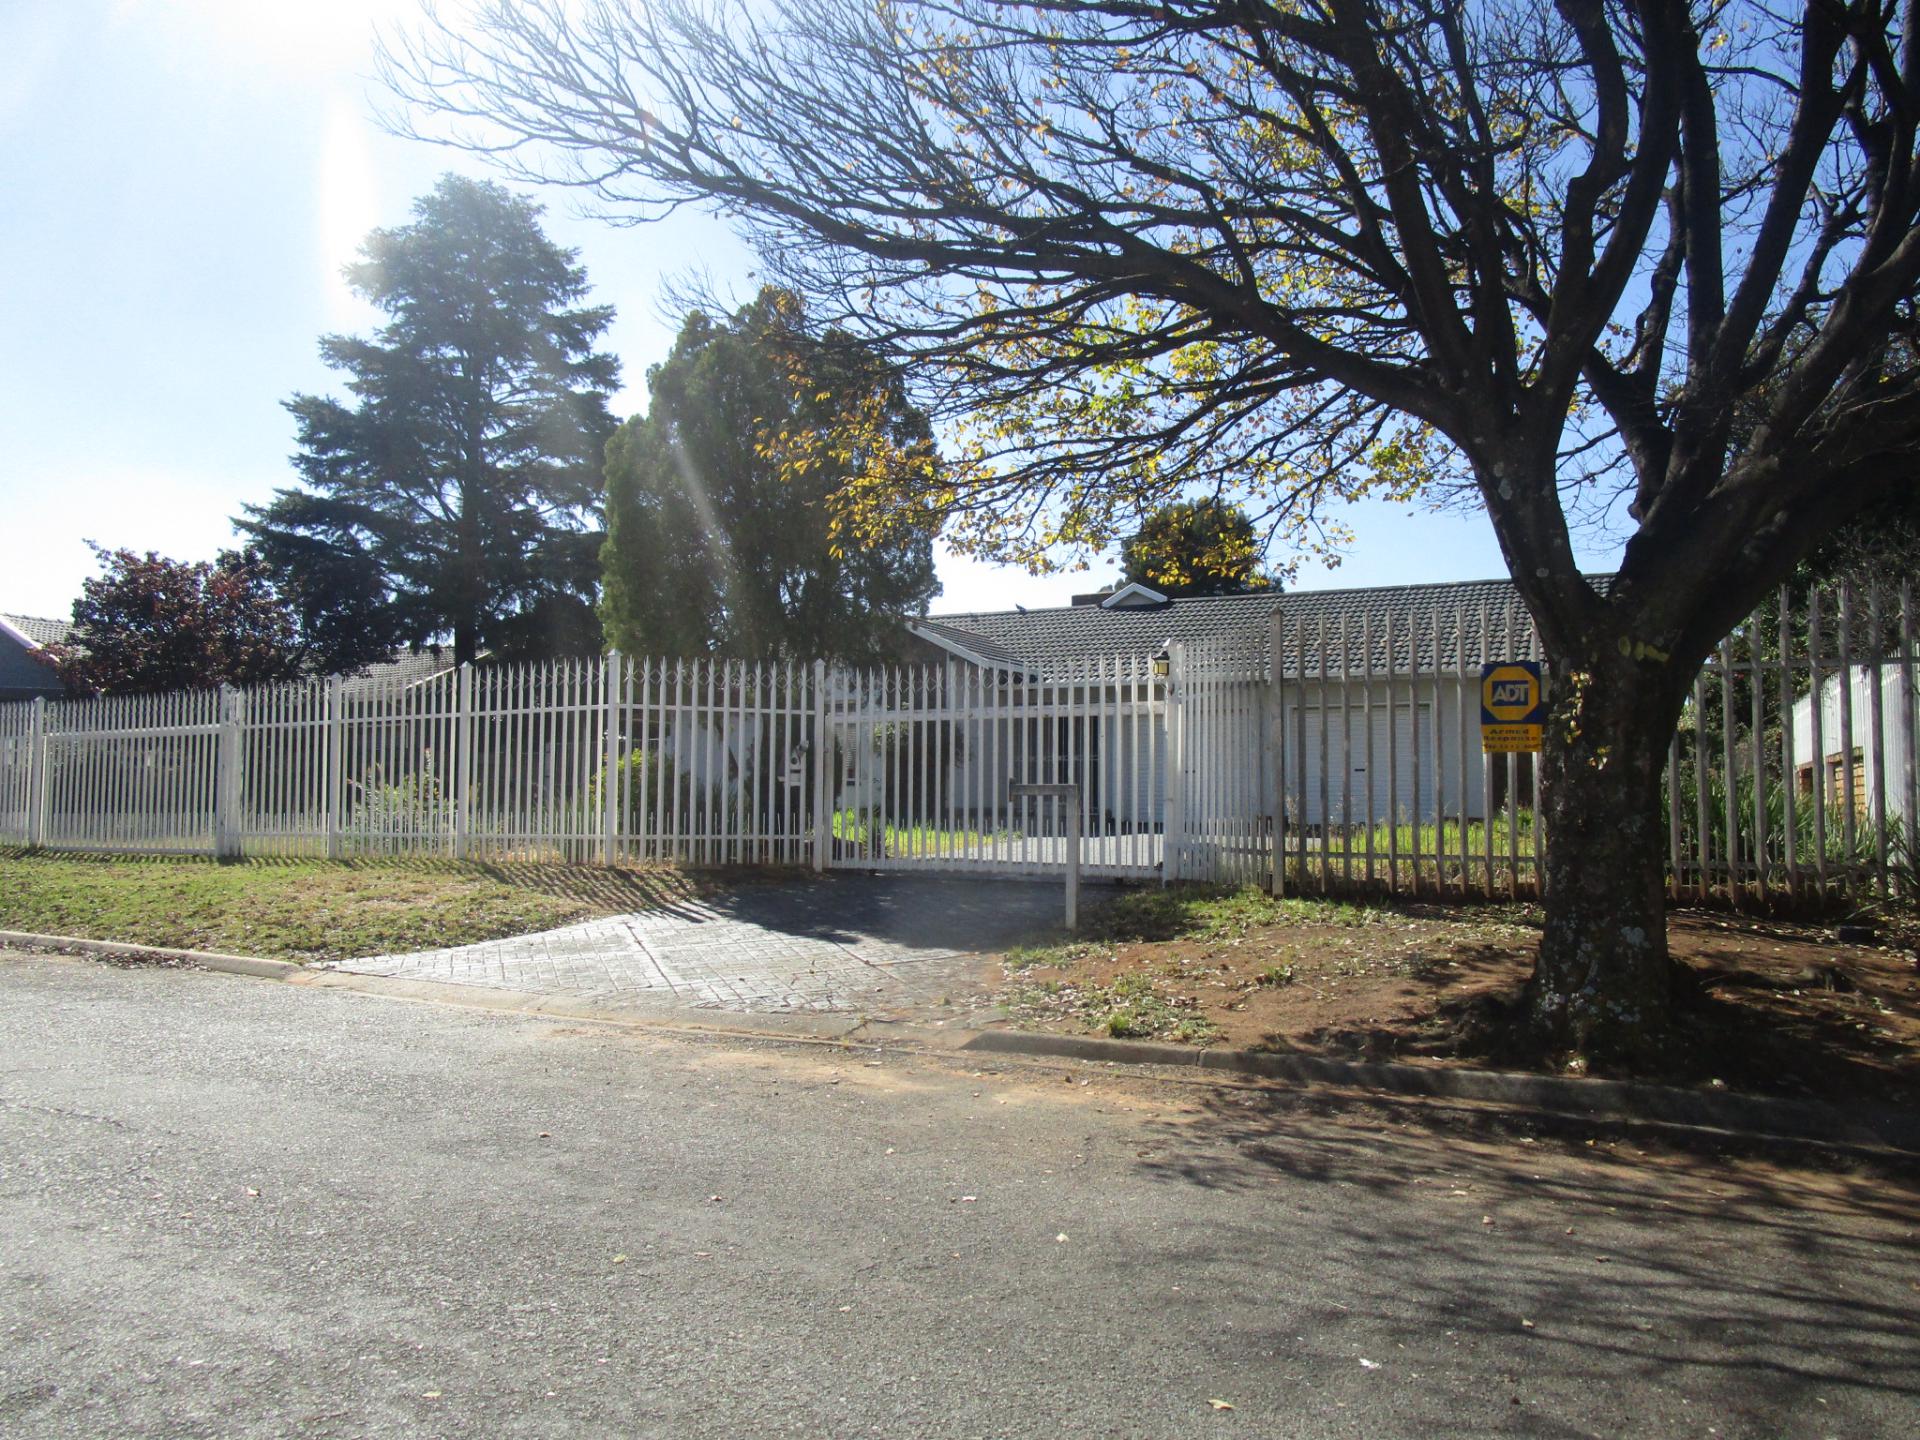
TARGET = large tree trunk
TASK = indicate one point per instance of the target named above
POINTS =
(1602, 984)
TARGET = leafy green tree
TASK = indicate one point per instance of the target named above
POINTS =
(459, 494)
(1550, 250)
(147, 624)
(723, 502)
(333, 583)
(1196, 547)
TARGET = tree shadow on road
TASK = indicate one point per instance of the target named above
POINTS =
(1771, 1282)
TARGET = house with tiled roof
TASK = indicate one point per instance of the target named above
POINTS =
(405, 670)
(1379, 688)
(1399, 624)
(25, 671)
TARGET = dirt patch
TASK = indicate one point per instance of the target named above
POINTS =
(1764, 1007)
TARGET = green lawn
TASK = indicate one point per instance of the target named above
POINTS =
(311, 909)
(1445, 836)
(851, 826)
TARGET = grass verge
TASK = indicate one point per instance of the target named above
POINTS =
(1078, 980)
(307, 910)
(1761, 1005)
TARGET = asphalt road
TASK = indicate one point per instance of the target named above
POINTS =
(234, 1208)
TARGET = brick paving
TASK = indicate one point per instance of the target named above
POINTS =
(877, 945)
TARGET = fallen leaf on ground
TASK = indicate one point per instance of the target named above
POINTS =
(1220, 1404)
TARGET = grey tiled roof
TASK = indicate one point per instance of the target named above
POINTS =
(1407, 626)
(406, 668)
(1072, 633)
(39, 629)
(973, 642)
(1235, 628)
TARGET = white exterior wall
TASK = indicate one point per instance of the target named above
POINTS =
(1129, 777)
(1132, 784)
(1367, 796)
(1897, 743)
(713, 756)
(1139, 765)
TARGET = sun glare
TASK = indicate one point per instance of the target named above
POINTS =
(294, 34)
(349, 205)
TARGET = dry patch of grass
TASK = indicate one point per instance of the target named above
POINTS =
(1766, 1006)
(1239, 967)
(313, 909)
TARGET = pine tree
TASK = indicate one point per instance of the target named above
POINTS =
(458, 495)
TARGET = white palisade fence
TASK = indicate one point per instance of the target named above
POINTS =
(1795, 770)
(1382, 784)
(1336, 757)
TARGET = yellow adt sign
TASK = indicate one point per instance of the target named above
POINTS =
(1513, 706)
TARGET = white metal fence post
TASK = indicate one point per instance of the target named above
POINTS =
(610, 676)
(463, 763)
(822, 743)
(1175, 824)
(37, 775)
(1275, 739)
(336, 779)
(226, 783)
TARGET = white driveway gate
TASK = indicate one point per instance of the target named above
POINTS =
(919, 759)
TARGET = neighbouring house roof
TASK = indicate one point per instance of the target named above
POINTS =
(1235, 628)
(37, 631)
(405, 669)
(968, 644)
(26, 671)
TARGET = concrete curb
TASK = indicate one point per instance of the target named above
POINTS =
(206, 960)
(835, 1026)
(1868, 1127)
(1864, 1127)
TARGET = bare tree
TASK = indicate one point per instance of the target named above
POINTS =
(1287, 252)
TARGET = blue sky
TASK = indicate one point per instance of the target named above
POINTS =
(184, 180)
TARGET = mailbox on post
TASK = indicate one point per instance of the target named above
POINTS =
(1017, 790)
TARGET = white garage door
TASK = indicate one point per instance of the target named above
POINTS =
(1362, 783)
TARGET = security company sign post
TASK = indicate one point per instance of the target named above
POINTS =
(1513, 706)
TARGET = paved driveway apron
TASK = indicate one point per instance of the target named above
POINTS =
(841, 942)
